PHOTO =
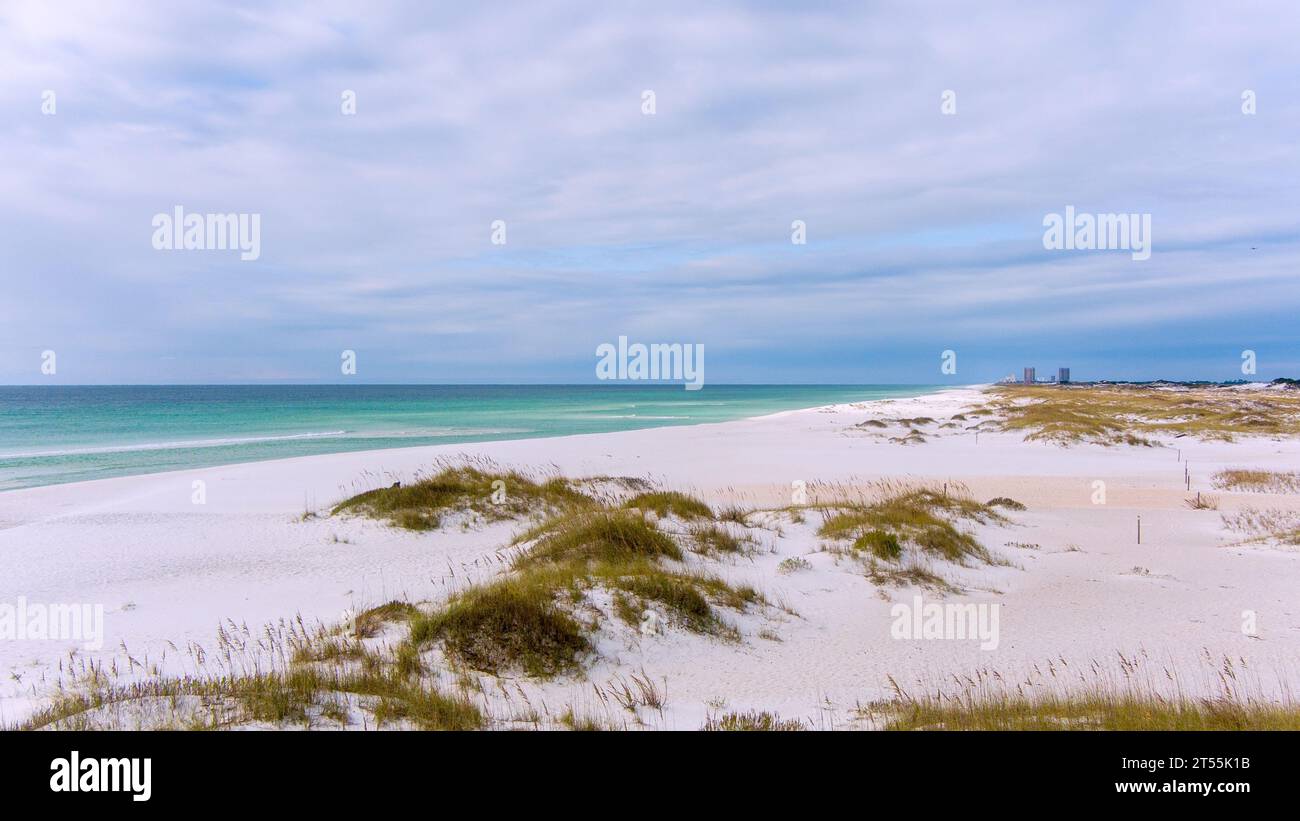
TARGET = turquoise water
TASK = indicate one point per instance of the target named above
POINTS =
(54, 434)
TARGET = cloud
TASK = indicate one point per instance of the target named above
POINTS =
(924, 230)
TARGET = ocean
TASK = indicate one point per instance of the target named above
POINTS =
(55, 434)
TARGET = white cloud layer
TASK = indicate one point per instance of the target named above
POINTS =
(924, 230)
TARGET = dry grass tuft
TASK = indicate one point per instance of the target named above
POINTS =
(1129, 693)
(606, 535)
(1096, 711)
(710, 538)
(752, 721)
(303, 694)
(368, 623)
(1005, 502)
(1258, 481)
(1261, 526)
(493, 494)
(532, 622)
(917, 516)
(1141, 414)
(880, 544)
(670, 502)
(512, 624)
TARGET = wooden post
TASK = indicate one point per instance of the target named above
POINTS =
(1139, 528)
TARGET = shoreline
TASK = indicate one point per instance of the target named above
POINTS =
(407, 460)
(198, 445)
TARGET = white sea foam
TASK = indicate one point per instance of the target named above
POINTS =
(430, 433)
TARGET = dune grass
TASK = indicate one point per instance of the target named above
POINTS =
(710, 538)
(913, 437)
(525, 622)
(913, 574)
(1257, 481)
(880, 544)
(1048, 696)
(914, 422)
(670, 502)
(425, 708)
(513, 624)
(921, 517)
(1265, 525)
(541, 618)
(734, 514)
(604, 535)
(304, 695)
(490, 493)
(687, 595)
(752, 721)
(1094, 709)
(1094, 712)
(368, 623)
(281, 675)
(681, 595)
(1140, 414)
(1126, 692)
(1005, 503)
(793, 564)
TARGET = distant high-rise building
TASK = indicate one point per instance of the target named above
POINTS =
(1062, 375)
(1029, 376)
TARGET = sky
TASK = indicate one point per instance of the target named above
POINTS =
(924, 229)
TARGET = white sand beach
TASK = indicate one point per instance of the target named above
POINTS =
(1072, 584)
